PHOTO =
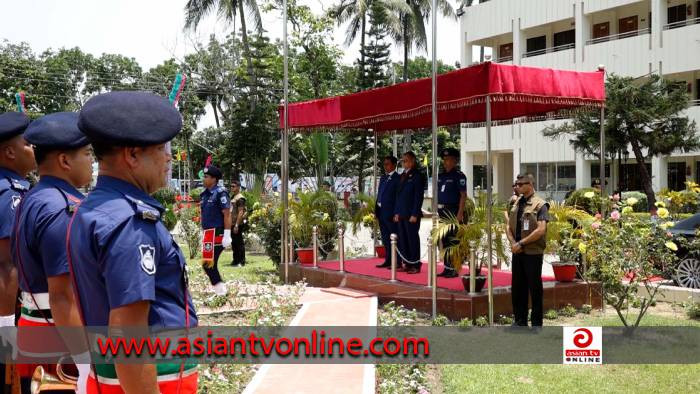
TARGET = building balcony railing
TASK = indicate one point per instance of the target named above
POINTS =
(504, 59)
(687, 22)
(695, 103)
(619, 36)
(549, 50)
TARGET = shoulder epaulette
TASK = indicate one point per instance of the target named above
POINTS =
(143, 210)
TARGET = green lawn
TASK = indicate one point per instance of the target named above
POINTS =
(576, 378)
(570, 378)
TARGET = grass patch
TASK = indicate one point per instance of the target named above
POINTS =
(570, 378)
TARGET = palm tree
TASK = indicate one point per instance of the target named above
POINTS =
(357, 13)
(195, 10)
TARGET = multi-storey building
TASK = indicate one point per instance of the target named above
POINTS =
(631, 38)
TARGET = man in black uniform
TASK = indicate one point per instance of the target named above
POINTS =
(527, 229)
(240, 224)
(408, 213)
(452, 193)
(384, 208)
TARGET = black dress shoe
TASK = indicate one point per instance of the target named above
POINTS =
(450, 274)
(413, 270)
(384, 265)
(401, 268)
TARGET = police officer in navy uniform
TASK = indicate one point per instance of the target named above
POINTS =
(127, 268)
(16, 161)
(452, 194)
(384, 208)
(408, 212)
(216, 214)
(64, 159)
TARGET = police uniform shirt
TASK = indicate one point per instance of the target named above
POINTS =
(212, 202)
(12, 188)
(121, 253)
(39, 240)
(542, 215)
(450, 186)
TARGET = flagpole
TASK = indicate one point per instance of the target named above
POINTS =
(433, 256)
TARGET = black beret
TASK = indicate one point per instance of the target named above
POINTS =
(213, 171)
(450, 152)
(129, 119)
(58, 130)
(12, 124)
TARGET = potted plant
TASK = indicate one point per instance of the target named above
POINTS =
(564, 238)
(471, 235)
(306, 211)
(364, 216)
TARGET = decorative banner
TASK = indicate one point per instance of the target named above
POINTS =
(208, 162)
(208, 246)
(178, 86)
(19, 98)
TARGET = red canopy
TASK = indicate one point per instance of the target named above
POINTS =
(515, 91)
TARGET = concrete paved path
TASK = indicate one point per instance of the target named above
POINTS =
(323, 307)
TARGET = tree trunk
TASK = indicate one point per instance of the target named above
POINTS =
(361, 76)
(646, 177)
(249, 57)
(406, 47)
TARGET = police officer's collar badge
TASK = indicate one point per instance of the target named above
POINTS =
(17, 185)
(15, 201)
(463, 182)
(148, 260)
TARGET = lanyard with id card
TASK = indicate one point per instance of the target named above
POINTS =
(526, 224)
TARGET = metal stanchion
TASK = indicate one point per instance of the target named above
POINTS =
(291, 248)
(341, 246)
(432, 257)
(472, 268)
(314, 238)
(394, 240)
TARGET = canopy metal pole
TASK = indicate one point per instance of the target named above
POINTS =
(433, 259)
(375, 192)
(489, 206)
(285, 158)
(602, 161)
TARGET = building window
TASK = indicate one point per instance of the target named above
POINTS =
(601, 30)
(552, 177)
(536, 44)
(676, 14)
(565, 39)
(505, 52)
(595, 171)
(479, 177)
(629, 26)
(630, 180)
(676, 176)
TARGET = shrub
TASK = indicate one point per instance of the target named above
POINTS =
(586, 308)
(692, 310)
(481, 321)
(505, 320)
(265, 221)
(642, 202)
(568, 311)
(190, 229)
(579, 199)
(165, 196)
(440, 321)
(194, 193)
(169, 218)
(466, 322)
(551, 314)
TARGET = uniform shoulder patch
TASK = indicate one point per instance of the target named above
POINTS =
(148, 259)
(144, 211)
(19, 186)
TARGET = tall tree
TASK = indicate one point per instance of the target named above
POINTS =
(195, 10)
(644, 115)
(373, 71)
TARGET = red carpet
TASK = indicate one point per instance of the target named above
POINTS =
(367, 267)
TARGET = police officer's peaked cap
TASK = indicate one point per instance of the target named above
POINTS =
(58, 130)
(12, 124)
(213, 171)
(450, 152)
(129, 119)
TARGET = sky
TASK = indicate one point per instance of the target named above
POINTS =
(151, 31)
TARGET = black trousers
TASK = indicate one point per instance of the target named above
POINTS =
(387, 226)
(409, 241)
(213, 272)
(527, 279)
(238, 246)
(449, 238)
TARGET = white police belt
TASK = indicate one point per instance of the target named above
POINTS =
(42, 301)
(444, 206)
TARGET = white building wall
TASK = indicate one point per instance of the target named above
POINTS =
(497, 22)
